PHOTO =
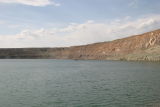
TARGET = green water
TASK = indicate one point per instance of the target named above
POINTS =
(69, 83)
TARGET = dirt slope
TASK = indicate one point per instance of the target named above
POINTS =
(145, 47)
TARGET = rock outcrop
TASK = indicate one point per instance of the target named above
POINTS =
(144, 47)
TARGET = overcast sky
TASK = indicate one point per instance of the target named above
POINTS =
(56, 23)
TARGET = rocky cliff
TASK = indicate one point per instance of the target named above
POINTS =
(144, 47)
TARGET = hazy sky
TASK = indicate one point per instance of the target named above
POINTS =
(55, 23)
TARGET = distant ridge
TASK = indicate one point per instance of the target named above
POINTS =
(143, 47)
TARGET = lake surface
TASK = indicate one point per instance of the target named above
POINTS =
(69, 83)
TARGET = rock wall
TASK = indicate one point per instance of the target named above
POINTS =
(138, 47)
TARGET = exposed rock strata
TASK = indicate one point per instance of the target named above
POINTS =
(144, 47)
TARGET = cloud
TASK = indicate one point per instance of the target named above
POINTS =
(79, 34)
(2, 22)
(134, 3)
(32, 2)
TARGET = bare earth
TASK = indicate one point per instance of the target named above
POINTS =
(144, 47)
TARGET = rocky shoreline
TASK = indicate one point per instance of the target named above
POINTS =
(144, 47)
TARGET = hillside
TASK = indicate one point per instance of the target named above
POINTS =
(144, 47)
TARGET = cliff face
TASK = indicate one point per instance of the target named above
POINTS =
(140, 47)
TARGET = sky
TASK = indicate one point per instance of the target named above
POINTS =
(61, 23)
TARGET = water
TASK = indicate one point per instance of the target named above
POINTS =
(69, 83)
